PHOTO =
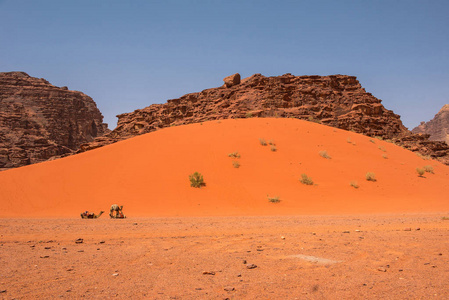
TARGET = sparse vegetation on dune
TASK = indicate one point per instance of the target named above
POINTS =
(273, 148)
(420, 172)
(262, 142)
(354, 184)
(234, 154)
(324, 154)
(236, 164)
(274, 199)
(196, 180)
(385, 156)
(428, 169)
(382, 148)
(370, 176)
(306, 179)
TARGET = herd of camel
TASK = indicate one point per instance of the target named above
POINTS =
(116, 212)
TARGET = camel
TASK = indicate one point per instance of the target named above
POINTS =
(118, 212)
(89, 215)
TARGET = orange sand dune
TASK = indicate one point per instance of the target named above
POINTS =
(148, 174)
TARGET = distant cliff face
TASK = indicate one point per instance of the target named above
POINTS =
(39, 120)
(336, 100)
(438, 127)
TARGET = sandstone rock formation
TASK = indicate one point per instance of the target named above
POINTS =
(39, 120)
(336, 100)
(438, 127)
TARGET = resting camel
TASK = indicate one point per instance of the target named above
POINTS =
(89, 215)
(118, 212)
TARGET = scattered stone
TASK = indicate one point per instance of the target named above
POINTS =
(102, 242)
(251, 266)
(259, 249)
(69, 270)
(381, 269)
(433, 266)
(46, 256)
(283, 237)
(80, 250)
(229, 289)
(79, 241)
(198, 289)
(232, 80)
(115, 274)
(208, 273)
(417, 229)
(313, 233)
(47, 248)
(244, 262)
(346, 231)
(134, 223)
(2, 291)
(408, 229)
(239, 275)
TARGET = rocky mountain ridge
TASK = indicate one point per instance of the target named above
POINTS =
(438, 127)
(335, 100)
(39, 121)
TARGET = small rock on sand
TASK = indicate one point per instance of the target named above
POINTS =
(229, 289)
(381, 269)
(79, 241)
(251, 266)
(208, 273)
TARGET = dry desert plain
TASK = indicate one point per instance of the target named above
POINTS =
(386, 239)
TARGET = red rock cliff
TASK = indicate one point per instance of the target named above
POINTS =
(39, 120)
(336, 100)
(438, 127)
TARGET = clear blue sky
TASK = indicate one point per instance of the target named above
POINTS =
(130, 54)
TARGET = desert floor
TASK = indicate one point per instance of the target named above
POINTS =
(401, 256)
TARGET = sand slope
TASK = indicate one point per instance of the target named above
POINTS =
(148, 174)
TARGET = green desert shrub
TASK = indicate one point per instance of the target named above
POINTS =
(385, 156)
(354, 184)
(370, 176)
(196, 180)
(273, 148)
(274, 199)
(263, 142)
(428, 169)
(324, 154)
(372, 141)
(382, 149)
(234, 154)
(420, 172)
(306, 179)
(236, 164)
(249, 115)
(349, 140)
(271, 142)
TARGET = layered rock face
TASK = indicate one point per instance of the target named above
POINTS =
(438, 127)
(336, 100)
(39, 120)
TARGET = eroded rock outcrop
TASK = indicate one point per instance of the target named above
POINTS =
(336, 100)
(39, 120)
(438, 127)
